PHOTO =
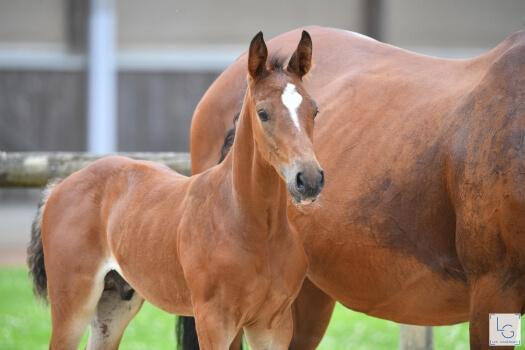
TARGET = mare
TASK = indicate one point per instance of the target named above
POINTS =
(423, 219)
(217, 245)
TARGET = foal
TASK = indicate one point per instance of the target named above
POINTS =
(217, 245)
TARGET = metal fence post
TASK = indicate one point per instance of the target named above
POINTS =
(102, 119)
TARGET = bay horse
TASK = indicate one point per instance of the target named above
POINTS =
(217, 245)
(423, 220)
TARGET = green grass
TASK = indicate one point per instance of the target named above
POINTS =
(349, 329)
(25, 324)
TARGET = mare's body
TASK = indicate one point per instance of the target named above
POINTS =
(422, 220)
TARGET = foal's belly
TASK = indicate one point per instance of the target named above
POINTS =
(153, 272)
(160, 289)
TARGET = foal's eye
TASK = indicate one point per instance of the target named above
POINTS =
(263, 116)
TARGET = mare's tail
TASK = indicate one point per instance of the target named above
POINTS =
(35, 250)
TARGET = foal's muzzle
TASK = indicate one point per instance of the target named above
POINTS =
(307, 185)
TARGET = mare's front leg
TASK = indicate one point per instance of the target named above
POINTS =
(312, 311)
(492, 256)
(492, 293)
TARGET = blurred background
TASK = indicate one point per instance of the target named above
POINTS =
(108, 75)
(166, 53)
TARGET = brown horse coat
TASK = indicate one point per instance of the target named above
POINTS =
(423, 216)
(217, 245)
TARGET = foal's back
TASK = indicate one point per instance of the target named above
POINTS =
(127, 221)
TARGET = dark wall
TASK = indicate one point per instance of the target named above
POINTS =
(42, 111)
(46, 111)
(155, 109)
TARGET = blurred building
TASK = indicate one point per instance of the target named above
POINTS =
(168, 52)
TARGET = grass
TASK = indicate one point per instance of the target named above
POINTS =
(24, 324)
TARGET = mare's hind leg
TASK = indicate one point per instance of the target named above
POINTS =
(115, 309)
(312, 311)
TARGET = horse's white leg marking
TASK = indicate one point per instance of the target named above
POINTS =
(292, 100)
(111, 264)
(111, 319)
(112, 314)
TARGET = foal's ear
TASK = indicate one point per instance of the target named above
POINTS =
(257, 55)
(301, 60)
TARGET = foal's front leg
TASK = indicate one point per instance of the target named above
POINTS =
(274, 334)
(215, 325)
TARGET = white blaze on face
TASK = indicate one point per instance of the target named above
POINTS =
(292, 100)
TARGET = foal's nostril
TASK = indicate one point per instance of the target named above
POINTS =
(299, 181)
(309, 182)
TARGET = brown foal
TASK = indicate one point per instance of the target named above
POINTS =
(217, 245)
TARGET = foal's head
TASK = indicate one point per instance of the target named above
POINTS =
(283, 115)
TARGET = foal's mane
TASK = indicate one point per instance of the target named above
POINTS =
(276, 64)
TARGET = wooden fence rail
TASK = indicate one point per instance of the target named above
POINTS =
(36, 169)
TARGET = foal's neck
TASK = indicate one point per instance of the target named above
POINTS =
(257, 187)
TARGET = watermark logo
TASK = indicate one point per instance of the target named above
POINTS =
(504, 329)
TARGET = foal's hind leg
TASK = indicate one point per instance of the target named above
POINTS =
(111, 319)
(73, 295)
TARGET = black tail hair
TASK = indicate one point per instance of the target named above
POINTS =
(185, 330)
(35, 250)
